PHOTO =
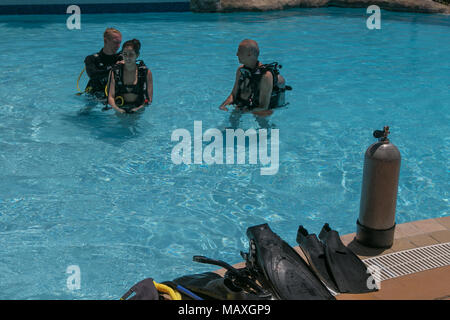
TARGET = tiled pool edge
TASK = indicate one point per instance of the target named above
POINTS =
(408, 235)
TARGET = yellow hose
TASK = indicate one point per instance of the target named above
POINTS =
(78, 80)
(174, 294)
(122, 102)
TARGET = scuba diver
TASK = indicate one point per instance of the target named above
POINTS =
(130, 85)
(99, 65)
(258, 88)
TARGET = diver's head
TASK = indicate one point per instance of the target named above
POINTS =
(248, 52)
(130, 51)
(112, 39)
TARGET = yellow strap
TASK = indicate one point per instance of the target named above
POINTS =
(174, 294)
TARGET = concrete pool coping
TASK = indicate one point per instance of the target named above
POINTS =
(433, 284)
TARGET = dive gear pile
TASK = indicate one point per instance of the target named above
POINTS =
(273, 270)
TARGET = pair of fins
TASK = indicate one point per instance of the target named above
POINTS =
(336, 265)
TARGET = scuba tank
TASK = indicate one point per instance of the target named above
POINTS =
(376, 223)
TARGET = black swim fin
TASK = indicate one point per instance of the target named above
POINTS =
(348, 271)
(279, 268)
(314, 251)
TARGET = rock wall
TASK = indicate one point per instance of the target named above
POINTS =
(425, 6)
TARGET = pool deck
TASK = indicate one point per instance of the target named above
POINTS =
(433, 284)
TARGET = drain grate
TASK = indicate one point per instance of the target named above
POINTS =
(410, 261)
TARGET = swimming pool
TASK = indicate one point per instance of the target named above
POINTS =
(92, 189)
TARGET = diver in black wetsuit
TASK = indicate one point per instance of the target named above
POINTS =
(99, 65)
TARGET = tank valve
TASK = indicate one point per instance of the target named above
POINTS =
(376, 223)
(381, 135)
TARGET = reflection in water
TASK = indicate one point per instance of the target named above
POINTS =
(130, 121)
(88, 108)
(107, 125)
(263, 122)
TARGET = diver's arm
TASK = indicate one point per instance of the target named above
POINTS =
(230, 99)
(112, 93)
(92, 70)
(265, 92)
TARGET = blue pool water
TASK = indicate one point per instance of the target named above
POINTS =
(99, 191)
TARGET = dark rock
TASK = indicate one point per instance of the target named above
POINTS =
(424, 6)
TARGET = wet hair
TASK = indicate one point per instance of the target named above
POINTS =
(135, 44)
(109, 32)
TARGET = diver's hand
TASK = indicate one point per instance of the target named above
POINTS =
(136, 109)
(227, 102)
(121, 110)
(120, 62)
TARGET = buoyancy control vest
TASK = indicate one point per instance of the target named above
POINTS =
(254, 76)
(140, 88)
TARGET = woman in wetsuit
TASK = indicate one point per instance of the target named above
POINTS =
(130, 85)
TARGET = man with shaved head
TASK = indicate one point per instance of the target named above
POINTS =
(258, 88)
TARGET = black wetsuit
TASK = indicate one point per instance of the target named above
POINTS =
(98, 66)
